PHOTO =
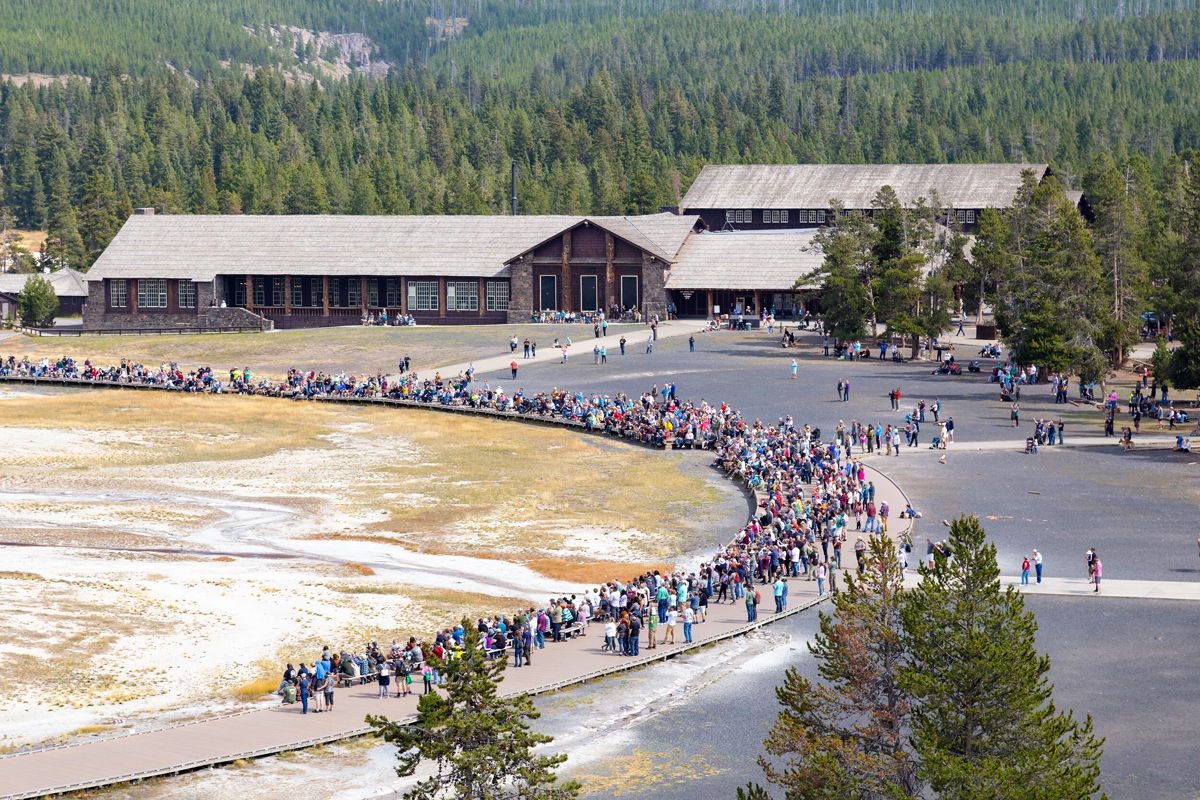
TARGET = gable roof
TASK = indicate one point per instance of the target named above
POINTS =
(746, 261)
(788, 186)
(200, 247)
(66, 282)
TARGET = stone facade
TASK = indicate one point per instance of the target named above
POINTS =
(206, 316)
(520, 299)
(654, 293)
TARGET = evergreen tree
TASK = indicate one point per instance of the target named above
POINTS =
(99, 216)
(37, 305)
(985, 726)
(481, 744)
(848, 736)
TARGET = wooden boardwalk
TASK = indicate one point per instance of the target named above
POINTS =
(249, 734)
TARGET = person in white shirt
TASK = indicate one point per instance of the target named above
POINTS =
(669, 630)
(689, 617)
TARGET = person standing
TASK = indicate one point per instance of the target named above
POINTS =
(384, 678)
(603, 355)
(526, 347)
(1025, 571)
(635, 634)
(692, 344)
(513, 367)
(845, 391)
(820, 573)
(795, 367)
(1097, 572)
(650, 344)
(1037, 565)
(689, 618)
(512, 344)
(777, 588)
(651, 631)
(622, 344)
(304, 686)
(751, 605)
(669, 630)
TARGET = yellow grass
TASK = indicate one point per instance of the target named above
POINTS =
(31, 240)
(358, 569)
(594, 572)
(254, 690)
(224, 558)
(87, 730)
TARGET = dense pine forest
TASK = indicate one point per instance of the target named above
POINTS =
(606, 107)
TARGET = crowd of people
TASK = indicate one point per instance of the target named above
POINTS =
(813, 497)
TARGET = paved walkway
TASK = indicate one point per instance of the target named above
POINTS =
(1118, 587)
(582, 342)
(248, 734)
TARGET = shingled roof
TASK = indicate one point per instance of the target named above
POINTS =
(201, 247)
(66, 282)
(746, 261)
(787, 186)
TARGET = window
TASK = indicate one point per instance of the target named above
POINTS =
(187, 294)
(353, 293)
(277, 288)
(965, 216)
(783, 217)
(821, 216)
(970, 216)
(422, 296)
(239, 292)
(740, 216)
(118, 293)
(393, 292)
(298, 291)
(316, 292)
(775, 217)
(462, 296)
(152, 293)
(373, 292)
(335, 292)
(812, 216)
(260, 291)
(497, 296)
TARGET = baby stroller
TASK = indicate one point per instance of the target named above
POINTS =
(1031, 445)
(937, 444)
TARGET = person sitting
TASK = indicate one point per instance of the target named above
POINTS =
(1183, 444)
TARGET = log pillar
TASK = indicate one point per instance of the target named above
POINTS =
(325, 294)
(758, 302)
(250, 292)
(565, 274)
(610, 273)
(708, 293)
(482, 297)
(403, 296)
(362, 294)
(442, 298)
(287, 295)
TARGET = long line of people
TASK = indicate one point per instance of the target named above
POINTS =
(811, 496)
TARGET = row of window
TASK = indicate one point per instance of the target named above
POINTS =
(745, 216)
(422, 295)
(812, 216)
(151, 293)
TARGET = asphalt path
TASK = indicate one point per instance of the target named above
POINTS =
(1128, 662)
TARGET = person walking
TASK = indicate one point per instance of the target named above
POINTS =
(1025, 571)
(513, 367)
(795, 367)
(650, 344)
(622, 344)
(1037, 565)
(961, 332)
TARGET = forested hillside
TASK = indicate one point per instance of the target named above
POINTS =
(605, 106)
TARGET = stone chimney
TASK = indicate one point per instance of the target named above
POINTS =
(143, 212)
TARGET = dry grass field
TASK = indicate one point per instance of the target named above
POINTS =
(202, 531)
(352, 349)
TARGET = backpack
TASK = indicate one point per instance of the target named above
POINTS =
(757, 597)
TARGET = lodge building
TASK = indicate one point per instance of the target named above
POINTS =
(742, 241)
